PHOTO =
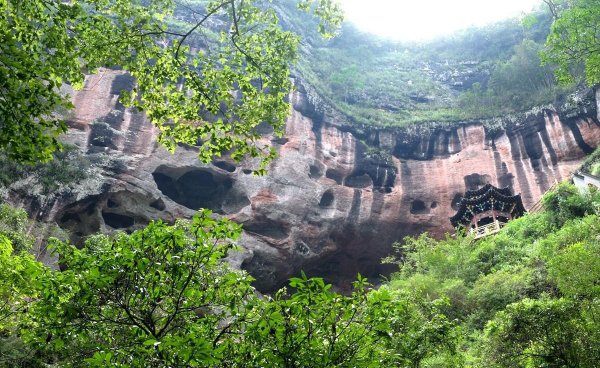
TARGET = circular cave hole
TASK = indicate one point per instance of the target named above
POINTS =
(158, 204)
(434, 204)
(327, 199)
(80, 219)
(476, 181)
(418, 207)
(195, 189)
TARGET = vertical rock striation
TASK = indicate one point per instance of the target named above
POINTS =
(336, 197)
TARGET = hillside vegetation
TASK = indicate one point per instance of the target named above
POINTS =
(527, 297)
(477, 73)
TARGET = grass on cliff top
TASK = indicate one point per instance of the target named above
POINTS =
(475, 74)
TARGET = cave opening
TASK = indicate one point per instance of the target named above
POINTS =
(314, 172)
(158, 204)
(80, 219)
(195, 188)
(418, 207)
(359, 180)
(117, 221)
(476, 181)
(327, 199)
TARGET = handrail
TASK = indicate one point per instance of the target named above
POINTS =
(539, 205)
(488, 229)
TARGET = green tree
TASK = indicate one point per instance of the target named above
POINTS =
(493, 292)
(574, 40)
(312, 327)
(416, 330)
(543, 333)
(567, 203)
(213, 97)
(161, 296)
(18, 273)
(576, 270)
(519, 79)
(14, 225)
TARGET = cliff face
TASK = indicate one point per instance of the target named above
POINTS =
(335, 198)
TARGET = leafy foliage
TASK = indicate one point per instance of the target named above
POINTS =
(17, 288)
(159, 296)
(186, 91)
(516, 84)
(591, 164)
(313, 327)
(525, 297)
(163, 296)
(574, 42)
(14, 225)
(545, 332)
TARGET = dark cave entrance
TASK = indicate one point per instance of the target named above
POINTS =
(197, 188)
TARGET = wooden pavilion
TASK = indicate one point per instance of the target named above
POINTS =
(486, 210)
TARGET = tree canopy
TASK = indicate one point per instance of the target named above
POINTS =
(574, 41)
(208, 95)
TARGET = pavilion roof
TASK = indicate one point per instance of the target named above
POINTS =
(484, 199)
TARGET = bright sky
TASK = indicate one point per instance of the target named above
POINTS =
(414, 20)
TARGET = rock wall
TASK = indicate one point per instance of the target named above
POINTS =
(335, 198)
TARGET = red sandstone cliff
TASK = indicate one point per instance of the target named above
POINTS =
(333, 201)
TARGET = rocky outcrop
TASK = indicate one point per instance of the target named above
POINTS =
(333, 201)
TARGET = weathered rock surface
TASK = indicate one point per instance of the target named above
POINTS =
(335, 198)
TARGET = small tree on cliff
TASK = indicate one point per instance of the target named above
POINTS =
(186, 92)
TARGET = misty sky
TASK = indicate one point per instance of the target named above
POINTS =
(412, 20)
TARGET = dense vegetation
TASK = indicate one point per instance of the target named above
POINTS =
(527, 297)
(162, 296)
(68, 166)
